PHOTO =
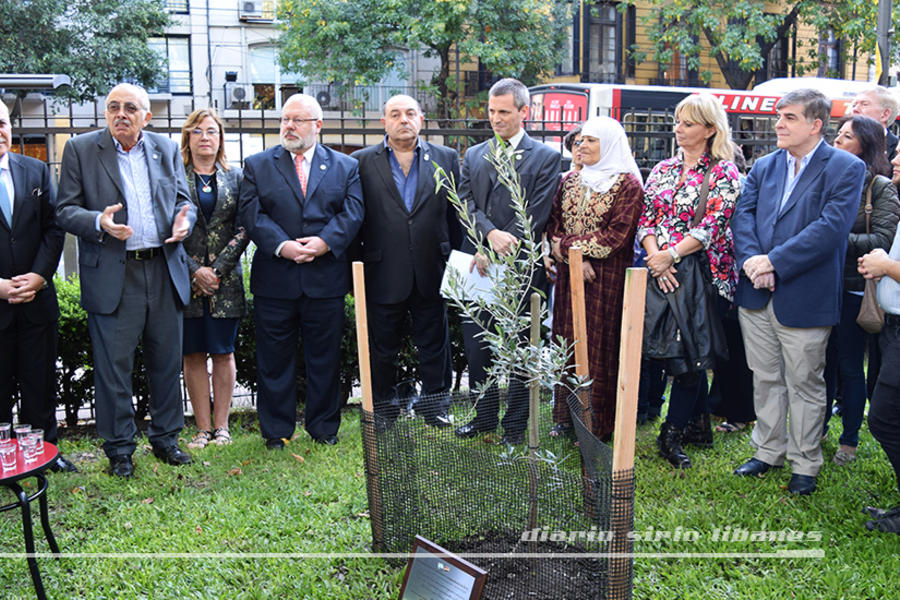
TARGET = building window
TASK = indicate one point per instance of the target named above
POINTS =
(604, 43)
(831, 62)
(267, 78)
(178, 6)
(176, 53)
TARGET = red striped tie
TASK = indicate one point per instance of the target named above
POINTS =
(301, 174)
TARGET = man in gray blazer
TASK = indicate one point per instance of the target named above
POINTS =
(123, 192)
(490, 203)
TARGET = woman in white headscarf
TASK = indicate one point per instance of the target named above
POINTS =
(596, 208)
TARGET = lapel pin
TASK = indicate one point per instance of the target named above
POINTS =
(426, 157)
(322, 167)
(155, 156)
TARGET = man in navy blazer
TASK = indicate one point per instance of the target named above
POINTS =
(490, 203)
(790, 235)
(406, 236)
(30, 245)
(123, 192)
(301, 204)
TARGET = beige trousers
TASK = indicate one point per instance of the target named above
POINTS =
(788, 389)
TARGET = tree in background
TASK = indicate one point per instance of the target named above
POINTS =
(358, 42)
(97, 43)
(739, 34)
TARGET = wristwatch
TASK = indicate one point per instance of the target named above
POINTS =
(676, 258)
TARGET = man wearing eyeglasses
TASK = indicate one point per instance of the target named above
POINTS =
(123, 192)
(301, 204)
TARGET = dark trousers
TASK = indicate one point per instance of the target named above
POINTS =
(388, 328)
(731, 392)
(148, 314)
(844, 358)
(28, 361)
(884, 412)
(279, 322)
(487, 408)
(651, 388)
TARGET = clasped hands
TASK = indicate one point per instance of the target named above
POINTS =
(181, 225)
(204, 281)
(304, 250)
(874, 264)
(760, 271)
(662, 268)
(21, 288)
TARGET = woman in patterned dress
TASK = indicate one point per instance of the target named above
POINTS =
(214, 250)
(672, 192)
(597, 209)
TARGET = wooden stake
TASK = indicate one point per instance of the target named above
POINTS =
(534, 415)
(368, 427)
(622, 501)
(579, 329)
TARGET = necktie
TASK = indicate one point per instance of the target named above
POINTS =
(301, 174)
(5, 204)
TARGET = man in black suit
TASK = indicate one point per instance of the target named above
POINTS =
(30, 245)
(301, 204)
(880, 104)
(123, 192)
(407, 235)
(495, 219)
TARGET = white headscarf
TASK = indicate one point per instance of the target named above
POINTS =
(615, 154)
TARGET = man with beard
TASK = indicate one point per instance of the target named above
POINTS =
(301, 204)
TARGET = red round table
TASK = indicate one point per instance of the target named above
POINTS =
(10, 479)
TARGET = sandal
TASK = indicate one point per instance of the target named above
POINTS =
(221, 436)
(200, 440)
(843, 456)
(561, 429)
(726, 427)
(880, 513)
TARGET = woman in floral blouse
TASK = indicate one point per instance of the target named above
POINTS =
(596, 208)
(214, 250)
(672, 192)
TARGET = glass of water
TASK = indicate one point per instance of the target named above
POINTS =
(8, 455)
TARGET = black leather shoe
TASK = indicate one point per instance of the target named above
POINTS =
(172, 455)
(881, 513)
(470, 430)
(802, 485)
(441, 420)
(513, 439)
(62, 464)
(328, 440)
(121, 465)
(275, 444)
(753, 467)
(669, 445)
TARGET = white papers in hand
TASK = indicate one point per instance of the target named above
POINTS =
(473, 285)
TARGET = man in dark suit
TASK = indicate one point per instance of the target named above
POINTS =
(407, 235)
(790, 236)
(880, 104)
(491, 205)
(123, 192)
(30, 245)
(301, 204)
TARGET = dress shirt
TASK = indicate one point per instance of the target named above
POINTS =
(792, 179)
(6, 179)
(306, 165)
(888, 288)
(406, 184)
(135, 175)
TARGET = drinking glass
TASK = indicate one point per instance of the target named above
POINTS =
(28, 444)
(8, 455)
(5, 429)
(38, 435)
(21, 429)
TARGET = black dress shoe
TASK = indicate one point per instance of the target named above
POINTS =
(172, 455)
(881, 513)
(275, 444)
(802, 485)
(512, 439)
(753, 467)
(62, 464)
(470, 430)
(328, 440)
(120, 465)
(441, 420)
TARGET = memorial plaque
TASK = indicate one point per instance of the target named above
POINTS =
(436, 574)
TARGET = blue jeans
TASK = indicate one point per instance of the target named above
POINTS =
(846, 351)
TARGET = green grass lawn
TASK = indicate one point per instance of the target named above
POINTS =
(261, 508)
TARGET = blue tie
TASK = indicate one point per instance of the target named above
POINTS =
(5, 205)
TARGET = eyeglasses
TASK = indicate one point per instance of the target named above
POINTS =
(209, 132)
(130, 108)
(297, 121)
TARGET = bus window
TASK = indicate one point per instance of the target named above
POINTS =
(651, 136)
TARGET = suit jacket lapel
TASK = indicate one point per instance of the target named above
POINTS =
(425, 184)
(387, 175)
(284, 160)
(810, 173)
(161, 212)
(317, 170)
(107, 158)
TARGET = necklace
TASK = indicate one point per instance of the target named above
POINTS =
(207, 188)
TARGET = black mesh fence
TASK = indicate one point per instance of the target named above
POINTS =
(539, 520)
